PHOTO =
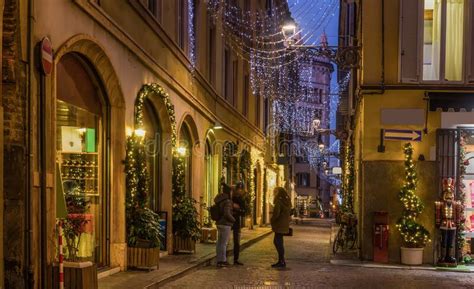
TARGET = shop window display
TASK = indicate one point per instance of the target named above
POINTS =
(468, 181)
(79, 158)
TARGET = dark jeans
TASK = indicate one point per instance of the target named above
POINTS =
(278, 242)
(236, 234)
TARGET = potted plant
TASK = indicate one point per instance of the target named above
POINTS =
(75, 224)
(414, 235)
(186, 227)
(77, 231)
(143, 227)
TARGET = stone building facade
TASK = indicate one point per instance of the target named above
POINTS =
(309, 179)
(104, 53)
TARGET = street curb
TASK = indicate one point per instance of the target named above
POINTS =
(361, 264)
(206, 260)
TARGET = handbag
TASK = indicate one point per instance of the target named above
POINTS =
(290, 232)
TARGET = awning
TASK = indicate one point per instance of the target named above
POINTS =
(457, 101)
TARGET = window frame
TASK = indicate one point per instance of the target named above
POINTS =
(211, 50)
(227, 74)
(467, 45)
(156, 11)
(246, 94)
(182, 24)
(303, 176)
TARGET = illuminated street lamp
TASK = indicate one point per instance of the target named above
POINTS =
(345, 57)
(289, 31)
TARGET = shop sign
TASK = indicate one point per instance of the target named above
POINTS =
(402, 135)
(46, 56)
(336, 170)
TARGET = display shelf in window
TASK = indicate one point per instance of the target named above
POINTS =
(79, 173)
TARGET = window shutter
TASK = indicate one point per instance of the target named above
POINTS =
(470, 72)
(409, 30)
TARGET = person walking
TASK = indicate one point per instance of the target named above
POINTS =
(224, 224)
(239, 210)
(280, 222)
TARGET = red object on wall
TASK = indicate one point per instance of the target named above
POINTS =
(46, 56)
(380, 237)
(87, 219)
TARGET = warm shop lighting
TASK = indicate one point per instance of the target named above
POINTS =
(140, 132)
(217, 125)
(181, 151)
(82, 130)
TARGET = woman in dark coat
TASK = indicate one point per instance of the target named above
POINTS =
(280, 223)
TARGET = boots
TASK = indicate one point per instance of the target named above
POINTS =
(279, 264)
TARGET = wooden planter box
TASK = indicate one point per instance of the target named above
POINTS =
(143, 258)
(183, 245)
(81, 275)
(208, 235)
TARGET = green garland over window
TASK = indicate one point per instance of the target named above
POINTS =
(154, 89)
(185, 216)
(348, 180)
(461, 196)
(142, 223)
(245, 170)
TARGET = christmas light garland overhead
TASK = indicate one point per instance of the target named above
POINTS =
(277, 73)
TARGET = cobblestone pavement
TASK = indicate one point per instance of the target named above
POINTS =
(308, 267)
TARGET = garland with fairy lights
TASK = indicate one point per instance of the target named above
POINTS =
(414, 235)
(185, 216)
(245, 169)
(141, 222)
(148, 90)
(348, 179)
(461, 197)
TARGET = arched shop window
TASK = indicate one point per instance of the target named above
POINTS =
(153, 143)
(80, 134)
(186, 142)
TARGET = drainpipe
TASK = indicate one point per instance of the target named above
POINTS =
(30, 281)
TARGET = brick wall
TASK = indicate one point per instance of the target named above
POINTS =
(14, 165)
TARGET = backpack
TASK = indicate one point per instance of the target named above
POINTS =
(216, 212)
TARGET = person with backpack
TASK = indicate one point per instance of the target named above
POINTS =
(280, 223)
(239, 210)
(224, 222)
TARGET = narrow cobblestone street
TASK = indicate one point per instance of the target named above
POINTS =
(308, 267)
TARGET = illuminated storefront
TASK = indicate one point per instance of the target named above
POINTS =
(81, 124)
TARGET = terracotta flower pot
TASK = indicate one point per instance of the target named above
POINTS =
(412, 256)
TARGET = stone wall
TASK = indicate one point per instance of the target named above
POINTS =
(14, 164)
(382, 181)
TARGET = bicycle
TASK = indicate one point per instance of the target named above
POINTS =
(347, 234)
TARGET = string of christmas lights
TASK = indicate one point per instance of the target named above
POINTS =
(414, 235)
(192, 34)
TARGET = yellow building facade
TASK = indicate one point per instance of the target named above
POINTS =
(407, 80)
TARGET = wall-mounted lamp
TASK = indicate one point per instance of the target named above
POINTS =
(140, 132)
(181, 151)
(218, 125)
